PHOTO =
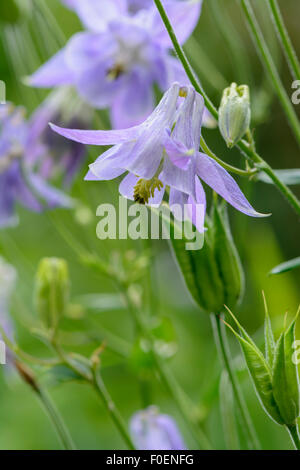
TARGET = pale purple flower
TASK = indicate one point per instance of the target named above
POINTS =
(163, 151)
(18, 182)
(151, 430)
(123, 53)
(52, 155)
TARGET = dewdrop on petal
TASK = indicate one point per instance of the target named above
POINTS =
(234, 113)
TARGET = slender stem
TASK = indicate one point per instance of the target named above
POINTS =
(285, 40)
(242, 145)
(225, 165)
(223, 347)
(111, 408)
(268, 62)
(57, 421)
(169, 382)
(294, 433)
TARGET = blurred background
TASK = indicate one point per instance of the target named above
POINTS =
(221, 51)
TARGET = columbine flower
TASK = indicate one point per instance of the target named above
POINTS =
(18, 182)
(163, 151)
(124, 52)
(151, 430)
(52, 155)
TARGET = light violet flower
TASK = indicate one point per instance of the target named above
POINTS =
(18, 181)
(151, 430)
(163, 151)
(123, 53)
(52, 155)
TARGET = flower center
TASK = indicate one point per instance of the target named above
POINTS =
(144, 189)
(115, 72)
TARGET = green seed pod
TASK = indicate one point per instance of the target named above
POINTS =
(234, 113)
(213, 274)
(52, 291)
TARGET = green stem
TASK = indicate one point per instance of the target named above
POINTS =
(223, 347)
(285, 40)
(57, 421)
(294, 433)
(111, 408)
(169, 382)
(242, 145)
(225, 165)
(268, 62)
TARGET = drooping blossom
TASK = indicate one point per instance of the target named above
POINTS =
(122, 54)
(163, 151)
(52, 155)
(151, 430)
(18, 181)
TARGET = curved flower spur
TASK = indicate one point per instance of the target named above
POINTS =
(163, 151)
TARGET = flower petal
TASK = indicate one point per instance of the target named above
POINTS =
(179, 155)
(183, 15)
(108, 165)
(98, 137)
(220, 181)
(53, 73)
(134, 102)
(95, 15)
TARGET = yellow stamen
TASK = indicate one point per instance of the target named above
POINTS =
(144, 189)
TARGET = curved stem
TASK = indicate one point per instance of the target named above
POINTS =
(111, 408)
(294, 434)
(223, 347)
(243, 146)
(268, 62)
(57, 421)
(285, 40)
(225, 165)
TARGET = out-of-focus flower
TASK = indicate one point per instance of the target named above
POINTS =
(122, 55)
(18, 181)
(163, 151)
(151, 430)
(52, 155)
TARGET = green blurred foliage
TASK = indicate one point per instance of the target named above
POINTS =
(221, 51)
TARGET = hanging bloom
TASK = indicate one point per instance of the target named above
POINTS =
(52, 155)
(151, 430)
(123, 53)
(163, 151)
(18, 181)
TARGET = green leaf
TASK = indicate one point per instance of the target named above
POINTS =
(227, 258)
(260, 374)
(269, 337)
(286, 266)
(288, 177)
(285, 377)
(60, 374)
(9, 11)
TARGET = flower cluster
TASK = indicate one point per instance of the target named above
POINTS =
(19, 182)
(121, 55)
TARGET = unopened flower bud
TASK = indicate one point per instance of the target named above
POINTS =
(52, 290)
(234, 113)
